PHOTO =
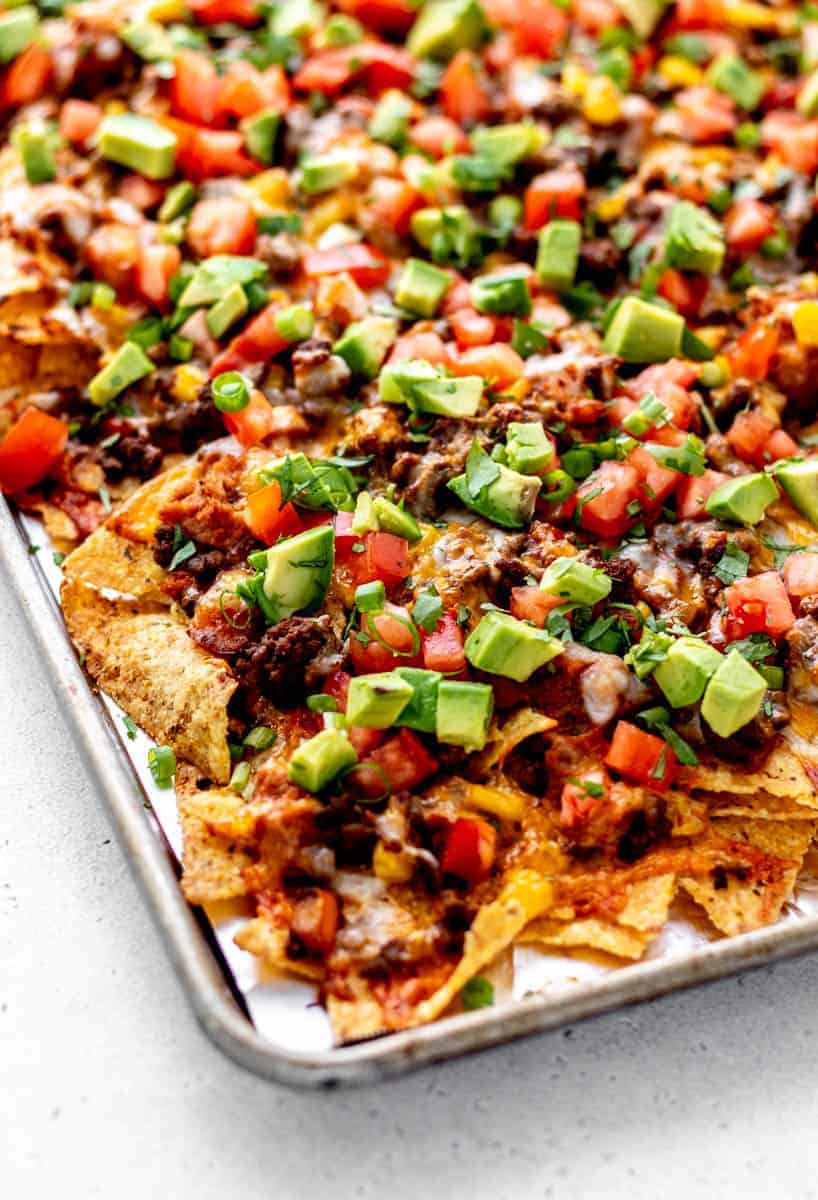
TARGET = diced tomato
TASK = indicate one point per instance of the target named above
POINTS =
(213, 153)
(315, 916)
(195, 87)
(79, 119)
(345, 539)
(366, 265)
(402, 762)
(699, 14)
(392, 202)
(472, 328)
(268, 518)
(438, 137)
(499, 365)
(753, 352)
(258, 341)
(758, 604)
(252, 424)
(142, 193)
(469, 850)
(556, 193)
(641, 757)
(539, 27)
(365, 740)
(221, 225)
(604, 498)
(594, 16)
(800, 575)
(336, 685)
(112, 251)
(384, 16)
(748, 223)
(793, 138)
(155, 267)
(686, 292)
(757, 439)
(327, 71)
(656, 481)
(388, 67)
(245, 90)
(669, 382)
(706, 115)
(394, 627)
(533, 604)
(31, 447)
(426, 344)
(577, 803)
(462, 91)
(218, 12)
(386, 558)
(26, 79)
(692, 492)
(330, 70)
(443, 647)
(660, 376)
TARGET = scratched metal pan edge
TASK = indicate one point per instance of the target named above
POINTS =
(203, 978)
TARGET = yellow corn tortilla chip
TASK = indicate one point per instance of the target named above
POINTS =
(268, 942)
(116, 567)
(213, 867)
(356, 1016)
(504, 738)
(737, 906)
(781, 775)
(761, 807)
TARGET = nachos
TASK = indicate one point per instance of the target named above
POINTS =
(425, 393)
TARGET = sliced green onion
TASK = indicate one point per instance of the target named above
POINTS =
(321, 703)
(240, 777)
(557, 486)
(162, 765)
(180, 348)
(231, 392)
(260, 737)
(477, 993)
(295, 323)
(370, 597)
(370, 630)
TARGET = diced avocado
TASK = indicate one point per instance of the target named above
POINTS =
(502, 645)
(340, 30)
(507, 143)
(733, 696)
(463, 713)
(299, 570)
(129, 364)
(376, 701)
(215, 275)
(424, 388)
(644, 333)
(364, 518)
(731, 75)
(507, 500)
(575, 581)
(743, 499)
(393, 519)
(260, 132)
(364, 345)
(36, 148)
(326, 172)
(446, 26)
(505, 292)
(316, 762)
(807, 101)
(684, 673)
(800, 481)
(178, 200)
(18, 29)
(644, 15)
(390, 120)
(296, 18)
(149, 40)
(528, 448)
(558, 254)
(398, 379)
(421, 287)
(421, 711)
(694, 240)
(139, 143)
(428, 223)
(226, 312)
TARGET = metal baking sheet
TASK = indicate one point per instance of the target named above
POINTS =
(272, 1026)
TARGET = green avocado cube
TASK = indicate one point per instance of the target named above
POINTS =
(684, 673)
(644, 15)
(508, 500)
(463, 713)
(731, 75)
(454, 222)
(299, 570)
(376, 701)
(150, 40)
(558, 254)
(340, 30)
(139, 143)
(215, 275)
(364, 518)
(397, 381)
(507, 144)
(390, 120)
(316, 762)
(18, 29)
(807, 101)
(421, 711)
(392, 518)
(36, 148)
(227, 311)
(296, 18)
(446, 26)
(529, 450)
(502, 645)
(743, 499)
(424, 388)
(260, 132)
(327, 171)
(128, 365)
(733, 696)
(421, 287)
(644, 333)
(364, 345)
(800, 481)
(694, 240)
(504, 293)
(575, 581)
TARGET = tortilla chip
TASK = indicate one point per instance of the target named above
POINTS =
(213, 867)
(137, 519)
(737, 906)
(117, 567)
(781, 775)
(762, 807)
(147, 663)
(356, 1016)
(506, 737)
(269, 943)
(642, 918)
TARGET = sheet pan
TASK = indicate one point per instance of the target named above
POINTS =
(273, 1027)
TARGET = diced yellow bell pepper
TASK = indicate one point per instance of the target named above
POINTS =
(187, 382)
(678, 72)
(602, 104)
(271, 187)
(805, 323)
(391, 867)
(611, 208)
(507, 805)
(165, 11)
(723, 364)
(574, 79)
(331, 211)
(746, 14)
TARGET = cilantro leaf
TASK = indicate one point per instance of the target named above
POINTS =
(732, 565)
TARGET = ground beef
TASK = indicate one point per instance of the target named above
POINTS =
(285, 664)
(131, 454)
(185, 427)
(317, 370)
(281, 252)
(599, 260)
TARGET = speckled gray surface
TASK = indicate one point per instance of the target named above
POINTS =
(108, 1089)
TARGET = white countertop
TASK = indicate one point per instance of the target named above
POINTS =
(108, 1088)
